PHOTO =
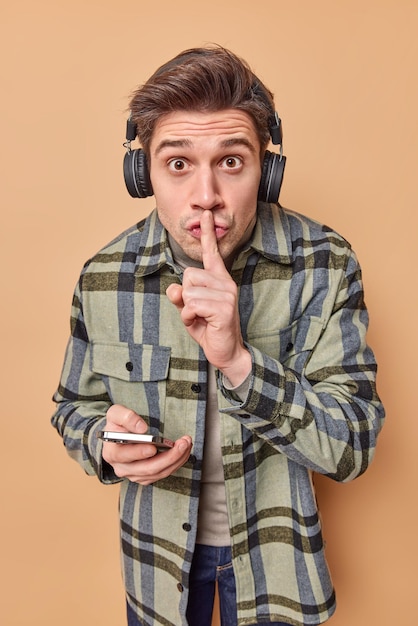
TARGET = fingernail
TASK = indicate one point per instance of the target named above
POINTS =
(139, 426)
(184, 445)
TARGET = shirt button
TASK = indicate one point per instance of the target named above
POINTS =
(187, 527)
(196, 388)
(129, 366)
(289, 346)
(192, 459)
(180, 587)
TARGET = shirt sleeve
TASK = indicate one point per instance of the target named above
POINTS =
(327, 416)
(82, 402)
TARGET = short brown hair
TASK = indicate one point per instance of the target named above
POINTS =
(201, 79)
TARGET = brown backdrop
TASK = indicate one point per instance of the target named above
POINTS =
(344, 75)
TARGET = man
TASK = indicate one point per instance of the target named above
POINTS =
(235, 328)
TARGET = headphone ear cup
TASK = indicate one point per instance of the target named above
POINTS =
(271, 177)
(136, 174)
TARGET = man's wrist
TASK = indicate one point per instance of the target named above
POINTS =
(239, 371)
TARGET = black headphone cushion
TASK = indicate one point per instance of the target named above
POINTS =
(136, 174)
(271, 177)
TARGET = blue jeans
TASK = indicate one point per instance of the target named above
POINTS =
(210, 565)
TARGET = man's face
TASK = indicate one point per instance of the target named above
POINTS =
(206, 161)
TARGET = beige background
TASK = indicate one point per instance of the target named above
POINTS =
(345, 78)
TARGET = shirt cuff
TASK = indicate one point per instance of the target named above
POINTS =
(239, 391)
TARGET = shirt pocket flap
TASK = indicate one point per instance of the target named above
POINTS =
(301, 336)
(130, 362)
(286, 343)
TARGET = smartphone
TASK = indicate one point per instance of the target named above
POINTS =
(115, 437)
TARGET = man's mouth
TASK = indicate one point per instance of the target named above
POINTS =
(195, 230)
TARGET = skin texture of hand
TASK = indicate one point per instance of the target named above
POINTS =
(207, 302)
(141, 463)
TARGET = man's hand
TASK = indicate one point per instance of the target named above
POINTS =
(141, 462)
(208, 304)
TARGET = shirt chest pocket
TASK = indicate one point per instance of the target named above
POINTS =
(291, 345)
(135, 376)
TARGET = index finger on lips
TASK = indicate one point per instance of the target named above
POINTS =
(211, 256)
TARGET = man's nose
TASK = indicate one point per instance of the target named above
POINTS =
(206, 193)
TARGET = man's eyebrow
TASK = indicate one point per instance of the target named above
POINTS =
(238, 141)
(172, 143)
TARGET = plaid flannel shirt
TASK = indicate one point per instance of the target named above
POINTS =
(311, 407)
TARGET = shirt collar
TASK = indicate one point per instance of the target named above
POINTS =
(271, 235)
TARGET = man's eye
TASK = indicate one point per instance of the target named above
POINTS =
(177, 165)
(232, 162)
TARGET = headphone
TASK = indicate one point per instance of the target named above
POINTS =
(136, 170)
